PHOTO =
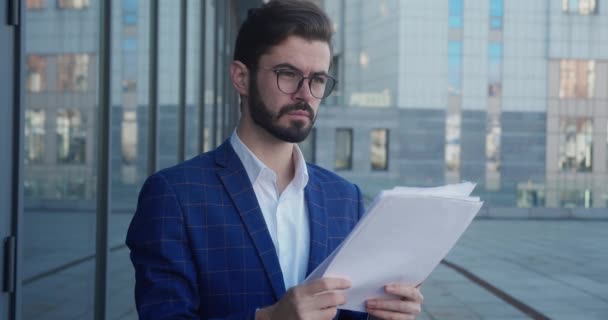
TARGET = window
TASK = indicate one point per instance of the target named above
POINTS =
(577, 79)
(576, 198)
(71, 137)
(129, 64)
(582, 7)
(308, 146)
(452, 142)
(454, 67)
(496, 13)
(35, 4)
(72, 72)
(129, 12)
(455, 14)
(379, 149)
(576, 145)
(72, 4)
(34, 135)
(128, 137)
(344, 149)
(493, 131)
(494, 69)
(36, 73)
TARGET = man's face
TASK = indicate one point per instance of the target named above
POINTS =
(287, 117)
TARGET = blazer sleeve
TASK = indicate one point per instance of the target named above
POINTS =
(166, 284)
(360, 203)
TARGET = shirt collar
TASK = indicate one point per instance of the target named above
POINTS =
(254, 166)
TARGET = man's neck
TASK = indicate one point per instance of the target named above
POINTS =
(274, 153)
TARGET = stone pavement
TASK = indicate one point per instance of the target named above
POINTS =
(557, 268)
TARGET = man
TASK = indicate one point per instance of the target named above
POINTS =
(224, 234)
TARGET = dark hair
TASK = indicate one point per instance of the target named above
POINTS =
(274, 22)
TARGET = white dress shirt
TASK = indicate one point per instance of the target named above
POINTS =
(286, 213)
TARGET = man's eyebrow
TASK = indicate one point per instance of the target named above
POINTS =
(290, 66)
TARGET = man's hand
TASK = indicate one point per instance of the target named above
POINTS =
(315, 300)
(406, 305)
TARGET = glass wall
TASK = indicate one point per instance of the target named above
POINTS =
(61, 137)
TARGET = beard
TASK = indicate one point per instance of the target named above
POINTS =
(296, 131)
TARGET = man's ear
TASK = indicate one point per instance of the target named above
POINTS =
(239, 75)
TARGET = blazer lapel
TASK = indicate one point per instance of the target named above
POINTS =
(235, 180)
(315, 201)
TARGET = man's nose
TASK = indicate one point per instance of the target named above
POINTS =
(303, 93)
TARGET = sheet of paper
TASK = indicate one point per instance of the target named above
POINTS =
(402, 238)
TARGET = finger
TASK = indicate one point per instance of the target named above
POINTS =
(389, 315)
(328, 314)
(326, 284)
(405, 291)
(330, 299)
(406, 307)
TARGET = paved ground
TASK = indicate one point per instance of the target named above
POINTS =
(558, 269)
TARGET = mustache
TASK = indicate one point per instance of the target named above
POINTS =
(297, 107)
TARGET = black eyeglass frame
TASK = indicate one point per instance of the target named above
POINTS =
(327, 92)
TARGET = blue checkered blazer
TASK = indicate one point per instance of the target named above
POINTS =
(199, 242)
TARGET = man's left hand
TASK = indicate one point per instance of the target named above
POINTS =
(405, 306)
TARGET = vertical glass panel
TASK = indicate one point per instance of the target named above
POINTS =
(129, 124)
(195, 48)
(168, 82)
(454, 67)
(60, 164)
(308, 146)
(210, 80)
(379, 149)
(494, 69)
(576, 145)
(455, 14)
(344, 149)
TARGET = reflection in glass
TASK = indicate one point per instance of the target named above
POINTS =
(72, 4)
(35, 4)
(36, 73)
(452, 142)
(129, 64)
(308, 146)
(493, 131)
(34, 136)
(71, 137)
(454, 67)
(496, 13)
(455, 14)
(576, 198)
(129, 137)
(379, 149)
(72, 72)
(582, 7)
(129, 12)
(530, 195)
(344, 149)
(577, 79)
(494, 69)
(576, 145)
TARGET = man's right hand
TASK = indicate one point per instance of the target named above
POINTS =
(318, 299)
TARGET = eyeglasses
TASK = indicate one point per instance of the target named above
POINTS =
(290, 80)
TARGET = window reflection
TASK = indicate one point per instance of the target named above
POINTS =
(576, 145)
(72, 72)
(71, 137)
(454, 67)
(129, 64)
(344, 151)
(379, 149)
(128, 137)
(72, 4)
(455, 14)
(452, 142)
(582, 7)
(494, 69)
(577, 79)
(496, 13)
(576, 198)
(36, 73)
(493, 131)
(35, 4)
(129, 12)
(34, 135)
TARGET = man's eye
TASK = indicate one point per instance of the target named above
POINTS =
(319, 80)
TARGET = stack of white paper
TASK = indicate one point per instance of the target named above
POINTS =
(402, 237)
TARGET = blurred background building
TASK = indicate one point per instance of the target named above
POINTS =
(512, 95)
